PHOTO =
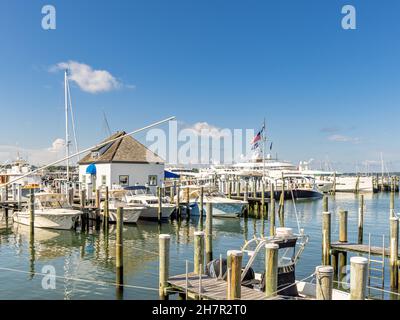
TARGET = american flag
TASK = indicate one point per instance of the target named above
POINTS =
(257, 137)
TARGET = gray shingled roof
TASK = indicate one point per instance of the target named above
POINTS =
(124, 150)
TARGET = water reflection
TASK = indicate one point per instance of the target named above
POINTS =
(90, 255)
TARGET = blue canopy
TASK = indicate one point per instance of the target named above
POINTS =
(170, 175)
(91, 169)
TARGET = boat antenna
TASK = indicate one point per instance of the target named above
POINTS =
(88, 149)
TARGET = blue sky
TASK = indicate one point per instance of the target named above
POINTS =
(326, 93)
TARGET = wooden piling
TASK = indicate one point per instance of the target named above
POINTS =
(106, 212)
(97, 199)
(119, 249)
(187, 202)
(230, 189)
(32, 211)
(282, 205)
(159, 210)
(163, 244)
(392, 213)
(71, 196)
(324, 281)
(325, 204)
(238, 188)
(326, 238)
(178, 203)
(272, 213)
(83, 198)
(263, 200)
(343, 225)
(358, 278)
(198, 251)
(209, 225)
(394, 252)
(246, 198)
(361, 220)
(342, 238)
(234, 280)
(271, 269)
(254, 188)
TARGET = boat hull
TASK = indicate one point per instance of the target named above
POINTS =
(129, 215)
(151, 212)
(61, 219)
(221, 210)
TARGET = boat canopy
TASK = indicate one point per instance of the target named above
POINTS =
(170, 175)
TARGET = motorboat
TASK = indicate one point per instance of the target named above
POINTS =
(117, 199)
(222, 206)
(51, 210)
(141, 196)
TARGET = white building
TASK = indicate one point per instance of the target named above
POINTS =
(125, 162)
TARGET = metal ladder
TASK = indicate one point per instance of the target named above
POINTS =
(376, 271)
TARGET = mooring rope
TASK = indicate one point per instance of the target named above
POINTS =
(104, 283)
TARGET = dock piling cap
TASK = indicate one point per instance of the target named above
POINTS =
(271, 246)
(324, 269)
(359, 260)
(164, 236)
(236, 253)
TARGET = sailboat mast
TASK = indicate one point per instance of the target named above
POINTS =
(66, 122)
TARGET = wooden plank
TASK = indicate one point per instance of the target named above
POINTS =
(359, 248)
(213, 289)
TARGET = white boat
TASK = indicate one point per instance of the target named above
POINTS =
(140, 196)
(131, 212)
(222, 206)
(329, 180)
(52, 211)
(15, 171)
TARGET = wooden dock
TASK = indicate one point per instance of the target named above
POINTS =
(359, 248)
(212, 288)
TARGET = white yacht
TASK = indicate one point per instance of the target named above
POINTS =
(131, 212)
(51, 211)
(140, 196)
(222, 206)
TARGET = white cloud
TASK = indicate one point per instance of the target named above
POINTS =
(207, 130)
(39, 156)
(57, 145)
(342, 138)
(88, 79)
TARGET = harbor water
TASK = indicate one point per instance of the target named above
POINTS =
(84, 262)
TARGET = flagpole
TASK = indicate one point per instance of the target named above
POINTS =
(264, 151)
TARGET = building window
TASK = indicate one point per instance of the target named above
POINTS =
(103, 180)
(84, 178)
(124, 180)
(152, 181)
